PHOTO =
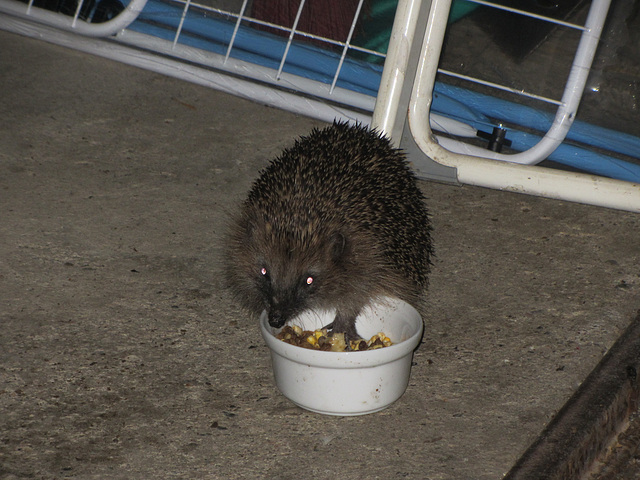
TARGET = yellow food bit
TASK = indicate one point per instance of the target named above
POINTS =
(386, 341)
(338, 343)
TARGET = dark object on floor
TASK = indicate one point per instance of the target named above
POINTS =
(579, 435)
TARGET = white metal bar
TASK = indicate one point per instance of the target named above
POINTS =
(497, 86)
(346, 45)
(77, 13)
(528, 14)
(386, 117)
(182, 18)
(235, 29)
(291, 35)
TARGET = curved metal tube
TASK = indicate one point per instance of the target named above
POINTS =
(73, 24)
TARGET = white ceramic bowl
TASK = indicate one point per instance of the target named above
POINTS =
(348, 383)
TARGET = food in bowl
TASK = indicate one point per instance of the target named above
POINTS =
(322, 340)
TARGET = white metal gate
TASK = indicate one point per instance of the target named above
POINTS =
(229, 45)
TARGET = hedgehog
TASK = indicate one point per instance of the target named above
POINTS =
(336, 222)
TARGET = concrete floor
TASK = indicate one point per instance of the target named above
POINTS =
(121, 356)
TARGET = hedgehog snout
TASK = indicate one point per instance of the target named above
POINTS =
(278, 316)
(276, 320)
(280, 310)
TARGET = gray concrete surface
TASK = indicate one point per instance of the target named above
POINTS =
(122, 357)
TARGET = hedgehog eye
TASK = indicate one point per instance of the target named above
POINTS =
(263, 271)
(309, 280)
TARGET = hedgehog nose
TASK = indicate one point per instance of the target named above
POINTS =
(278, 313)
(276, 320)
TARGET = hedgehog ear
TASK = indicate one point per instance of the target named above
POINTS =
(338, 246)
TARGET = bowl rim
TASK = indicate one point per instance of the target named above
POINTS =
(322, 359)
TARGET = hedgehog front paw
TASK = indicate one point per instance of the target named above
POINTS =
(345, 325)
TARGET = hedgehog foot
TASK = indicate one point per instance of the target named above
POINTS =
(344, 324)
